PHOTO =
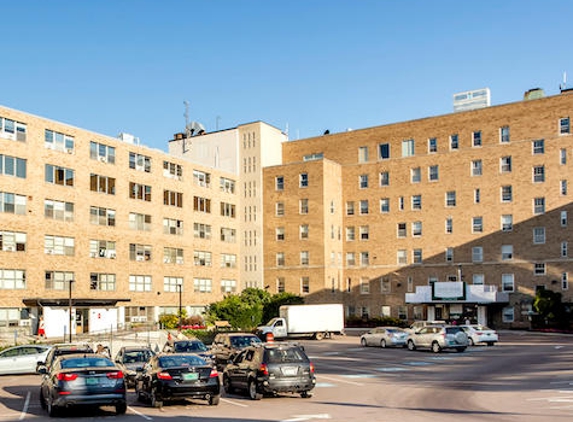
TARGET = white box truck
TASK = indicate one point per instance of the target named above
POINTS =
(317, 321)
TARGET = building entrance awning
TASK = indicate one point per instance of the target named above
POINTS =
(76, 302)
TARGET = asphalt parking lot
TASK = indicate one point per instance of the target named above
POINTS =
(526, 377)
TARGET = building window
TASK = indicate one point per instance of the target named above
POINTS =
(202, 179)
(303, 206)
(563, 218)
(102, 282)
(401, 203)
(202, 258)
(449, 255)
(280, 285)
(172, 170)
(12, 130)
(228, 260)
(507, 284)
(402, 257)
(476, 168)
(202, 285)
(363, 181)
(280, 233)
(139, 191)
(303, 231)
(57, 245)
(402, 231)
(451, 199)
(175, 227)
(417, 256)
(350, 259)
(55, 210)
(477, 254)
(477, 225)
(349, 208)
(350, 234)
(563, 156)
(280, 209)
(59, 280)
(139, 221)
(477, 196)
(506, 193)
(364, 207)
(504, 134)
(506, 252)
(433, 173)
(279, 183)
(102, 216)
(539, 268)
(505, 164)
(173, 256)
(408, 148)
(139, 252)
(139, 162)
(449, 225)
(508, 314)
(303, 180)
(102, 153)
(432, 145)
(227, 210)
(384, 151)
(564, 126)
(538, 174)
(364, 259)
(228, 235)
(416, 202)
(305, 285)
(228, 286)
(507, 222)
(172, 284)
(102, 249)
(12, 241)
(364, 286)
(538, 235)
(384, 178)
(172, 199)
(476, 138)
(385, 205)
(139, 283)
(538, 146)
(564, 249)
(563, 187)
(58, 175)
(102, 184)
(538, 205)
(58, 141)
(280, 259)
(478, 279)
(362, 154)
(304, 258)
(364, 232)
(201, 204)
(564, 281)
(454, 142)
(417, 229)
(12, 279)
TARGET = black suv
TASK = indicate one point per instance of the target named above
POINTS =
(270, 368)
(226, 346)
(62, 349)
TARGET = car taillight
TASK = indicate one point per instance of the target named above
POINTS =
(479, 333)
(164, 376)
(67, 377)
(115, 375)
(213, 373)
(311, 368)
(264, 369)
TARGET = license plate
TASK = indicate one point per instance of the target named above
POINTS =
(193, 376)
(290, 371)
(92, 381)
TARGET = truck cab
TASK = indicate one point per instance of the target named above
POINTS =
(277, 326)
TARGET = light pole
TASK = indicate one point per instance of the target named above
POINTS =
(70, 308)
(179, 288)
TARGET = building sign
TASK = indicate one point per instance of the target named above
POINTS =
(448, 290)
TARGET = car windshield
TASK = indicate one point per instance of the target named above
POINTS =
(135, 356)
(244, 341)
(175, 361)
(190, 346)
(85, 362)
(285, 355)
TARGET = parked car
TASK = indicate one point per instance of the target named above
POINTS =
(226, 346)
(189, 346)
(417, 325)
(384, 336)
(270, 368)
(22, 359)
(438, 338)
(478, 333)
(60, 350)
(130, 360)
(169, 376)
(82, 380)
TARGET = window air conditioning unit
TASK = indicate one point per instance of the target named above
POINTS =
(139, 258)
(103, 159)
(24, 323)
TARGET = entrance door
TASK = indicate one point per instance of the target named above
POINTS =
(82, 321)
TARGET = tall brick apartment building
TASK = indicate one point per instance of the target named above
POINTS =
(108, 229)
(463, 215)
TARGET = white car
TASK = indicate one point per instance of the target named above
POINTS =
(478, 333)
(22, 359)
(384, 337)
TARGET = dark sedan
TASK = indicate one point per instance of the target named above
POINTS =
(130, 360)
(82, 380)
(178, 376)
(189, 346)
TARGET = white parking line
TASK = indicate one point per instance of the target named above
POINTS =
(147, 418)
(340, 380)
(234, 403)
(26, 404)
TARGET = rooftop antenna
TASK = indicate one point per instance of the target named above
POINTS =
(563, 86)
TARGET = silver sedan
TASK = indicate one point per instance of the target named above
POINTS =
(384, 337)
(22, 359)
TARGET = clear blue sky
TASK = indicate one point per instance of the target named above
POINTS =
(114, 66)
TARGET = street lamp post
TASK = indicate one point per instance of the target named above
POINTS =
(70, 309)
(179, 288)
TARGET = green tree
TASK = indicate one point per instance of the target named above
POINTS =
(549, 307)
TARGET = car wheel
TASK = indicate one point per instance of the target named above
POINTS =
(253, 393)
(227, 385)
(383, 344)
(319, 336)
(156, 399)
(52, 410)
(436, 347)
(491, 343)
(121, 408)
(363, 342)
(411, 345)
(460, 349)
(214, 400)
(471, 341)
(42, 400)
(306, 394)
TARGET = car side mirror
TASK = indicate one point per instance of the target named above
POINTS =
(42, 370)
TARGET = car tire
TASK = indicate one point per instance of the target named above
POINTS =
(121, 408)
(253, 392)
(363, 342)
(411, 345)
(42, 400)
(383, 344)
(471, 341)
(491, 343)
(214, 400)
(460, 349)
(228, 387)
(53, 411)
(306, 394)
(319, 336)
(156, 399)
(436, 347)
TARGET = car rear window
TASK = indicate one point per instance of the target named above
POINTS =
(175, 361)
(244, 341)
(137, 356)
(453, 330)
(85, 362)
(290, 355)
(190, 346)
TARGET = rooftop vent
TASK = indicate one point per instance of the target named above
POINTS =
(130, 139)
(533, 94)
